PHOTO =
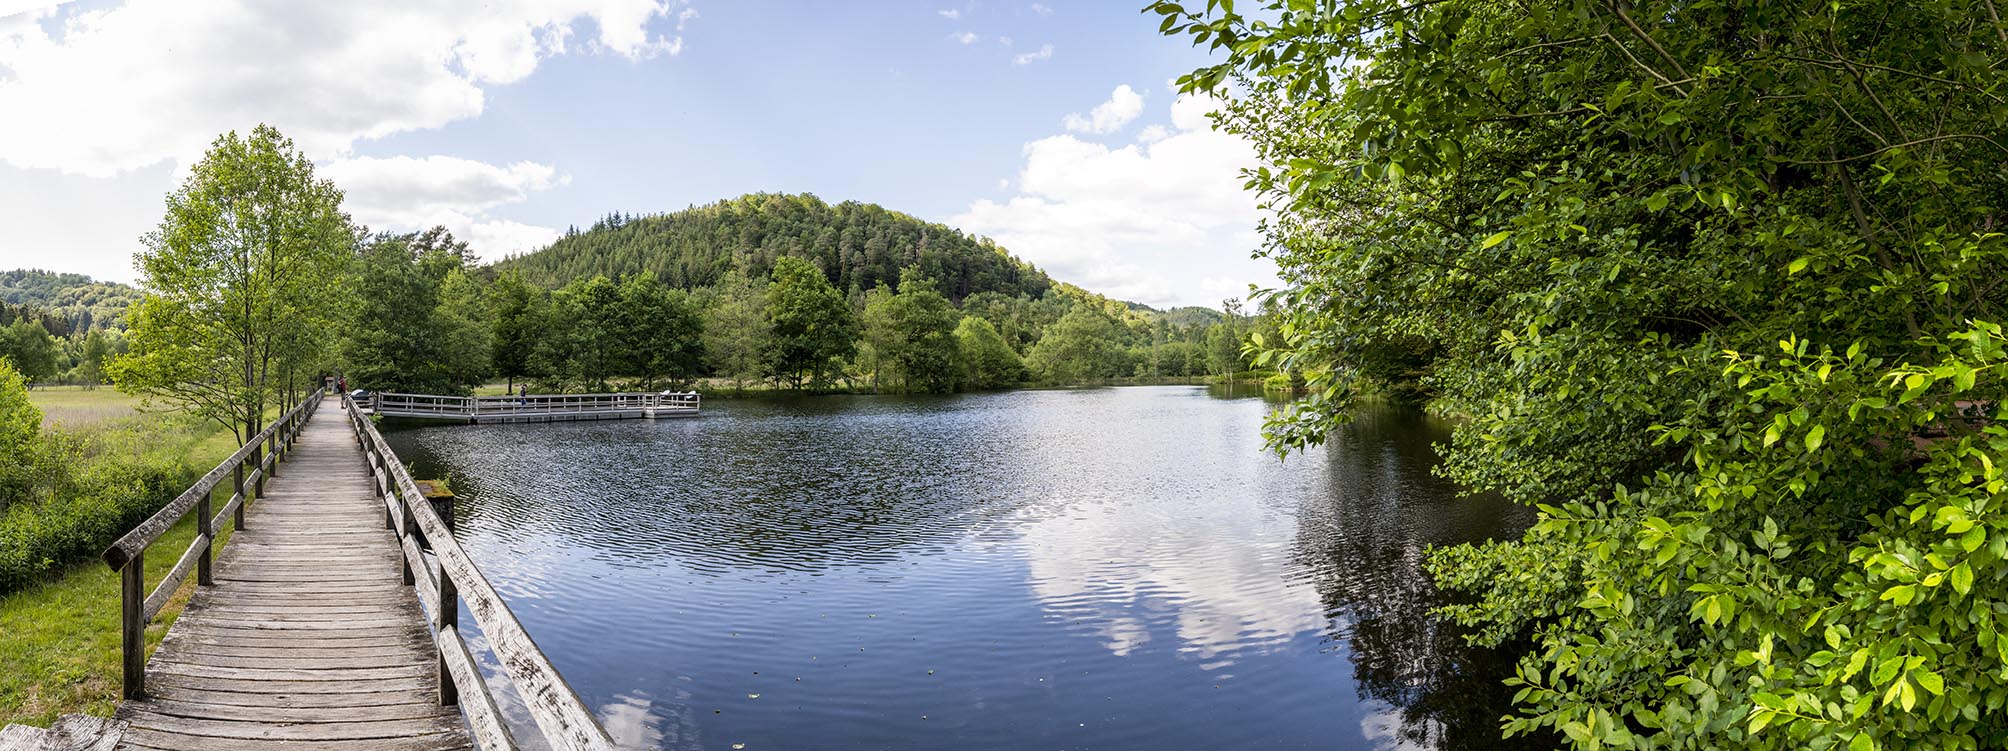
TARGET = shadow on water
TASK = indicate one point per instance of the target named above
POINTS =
(1095, 568)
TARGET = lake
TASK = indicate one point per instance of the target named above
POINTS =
(1119, 568)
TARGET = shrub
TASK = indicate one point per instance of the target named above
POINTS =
(94, 487)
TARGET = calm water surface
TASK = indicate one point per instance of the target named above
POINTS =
(1096, 569)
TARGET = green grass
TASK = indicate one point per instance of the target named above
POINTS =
(75, 407)
(59, 640)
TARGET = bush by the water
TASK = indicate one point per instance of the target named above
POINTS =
(65, 496)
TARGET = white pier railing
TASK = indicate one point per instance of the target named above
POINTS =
(539, 407)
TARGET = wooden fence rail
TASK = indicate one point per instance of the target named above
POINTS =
(549, 406)
(128, 556)
(449, 578)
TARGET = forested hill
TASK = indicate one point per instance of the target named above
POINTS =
(858, 245)
(68, 303)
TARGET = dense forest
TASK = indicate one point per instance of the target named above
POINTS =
(69, 303)
(859, 245)
(615, 307)
(60, 328)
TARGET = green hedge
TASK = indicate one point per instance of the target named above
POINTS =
(96, 487)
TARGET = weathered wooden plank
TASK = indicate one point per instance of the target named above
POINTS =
(303, 715)
(381, 653)
(169, 679)
(175, 576)
(414, 675)
(243, 622)
(155, 740)
(21, 738)
(319, 701)
(484, 719)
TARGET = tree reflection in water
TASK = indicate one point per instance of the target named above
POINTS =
(1363, 548)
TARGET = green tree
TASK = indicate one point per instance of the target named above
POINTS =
(736, 332)
(465, 337)
(599, 329)
(391, 340)
(811, 323)
(988, 362)
(1718, 286)
(664, 335)
(928, 353)
(512, 317)
(1085, 345)
(240, 277)
(96, 347)
(31, 349)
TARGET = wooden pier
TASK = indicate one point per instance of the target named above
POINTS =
(537, 408)
(331, 621)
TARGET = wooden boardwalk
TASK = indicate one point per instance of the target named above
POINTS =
(309, 638)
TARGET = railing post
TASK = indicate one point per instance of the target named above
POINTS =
(203, 575)
(237, 484)
(132, 618)
(448, 609)
(410, 529)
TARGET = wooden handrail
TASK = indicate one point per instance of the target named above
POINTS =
(474, 407)
(562, 718)
(128, 555)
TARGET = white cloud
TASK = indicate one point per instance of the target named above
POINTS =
(405, 193)
(1123, 106)
(1045, 52)
(950, 14)
(964, 37)
(1041, 9)
(1006, 41)
(156, 80)
(1164, 221)
(1153, 134)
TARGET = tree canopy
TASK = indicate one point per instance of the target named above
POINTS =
(242, 274)
(1718, 287)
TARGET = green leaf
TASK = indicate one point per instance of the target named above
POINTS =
(1495, 239)
(1815, 437)
(1798, 264)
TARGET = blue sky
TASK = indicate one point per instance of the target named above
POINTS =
(1052, 127)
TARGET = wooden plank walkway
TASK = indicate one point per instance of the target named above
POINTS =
(309, 639)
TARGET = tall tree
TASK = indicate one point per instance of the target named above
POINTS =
(512, 318)
(988, 362)
(664, 337)
(913, 333)
(736, 333)
(598, 330)
(240, 278)
(391, 341)
(1719, 286)
(812, 324)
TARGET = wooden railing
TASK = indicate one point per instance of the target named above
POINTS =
(443, 583)
(476, 407)
(128, 556)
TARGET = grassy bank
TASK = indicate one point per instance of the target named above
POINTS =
(59, 634)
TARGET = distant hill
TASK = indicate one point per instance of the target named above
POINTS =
(859, 245)
(77, 301)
